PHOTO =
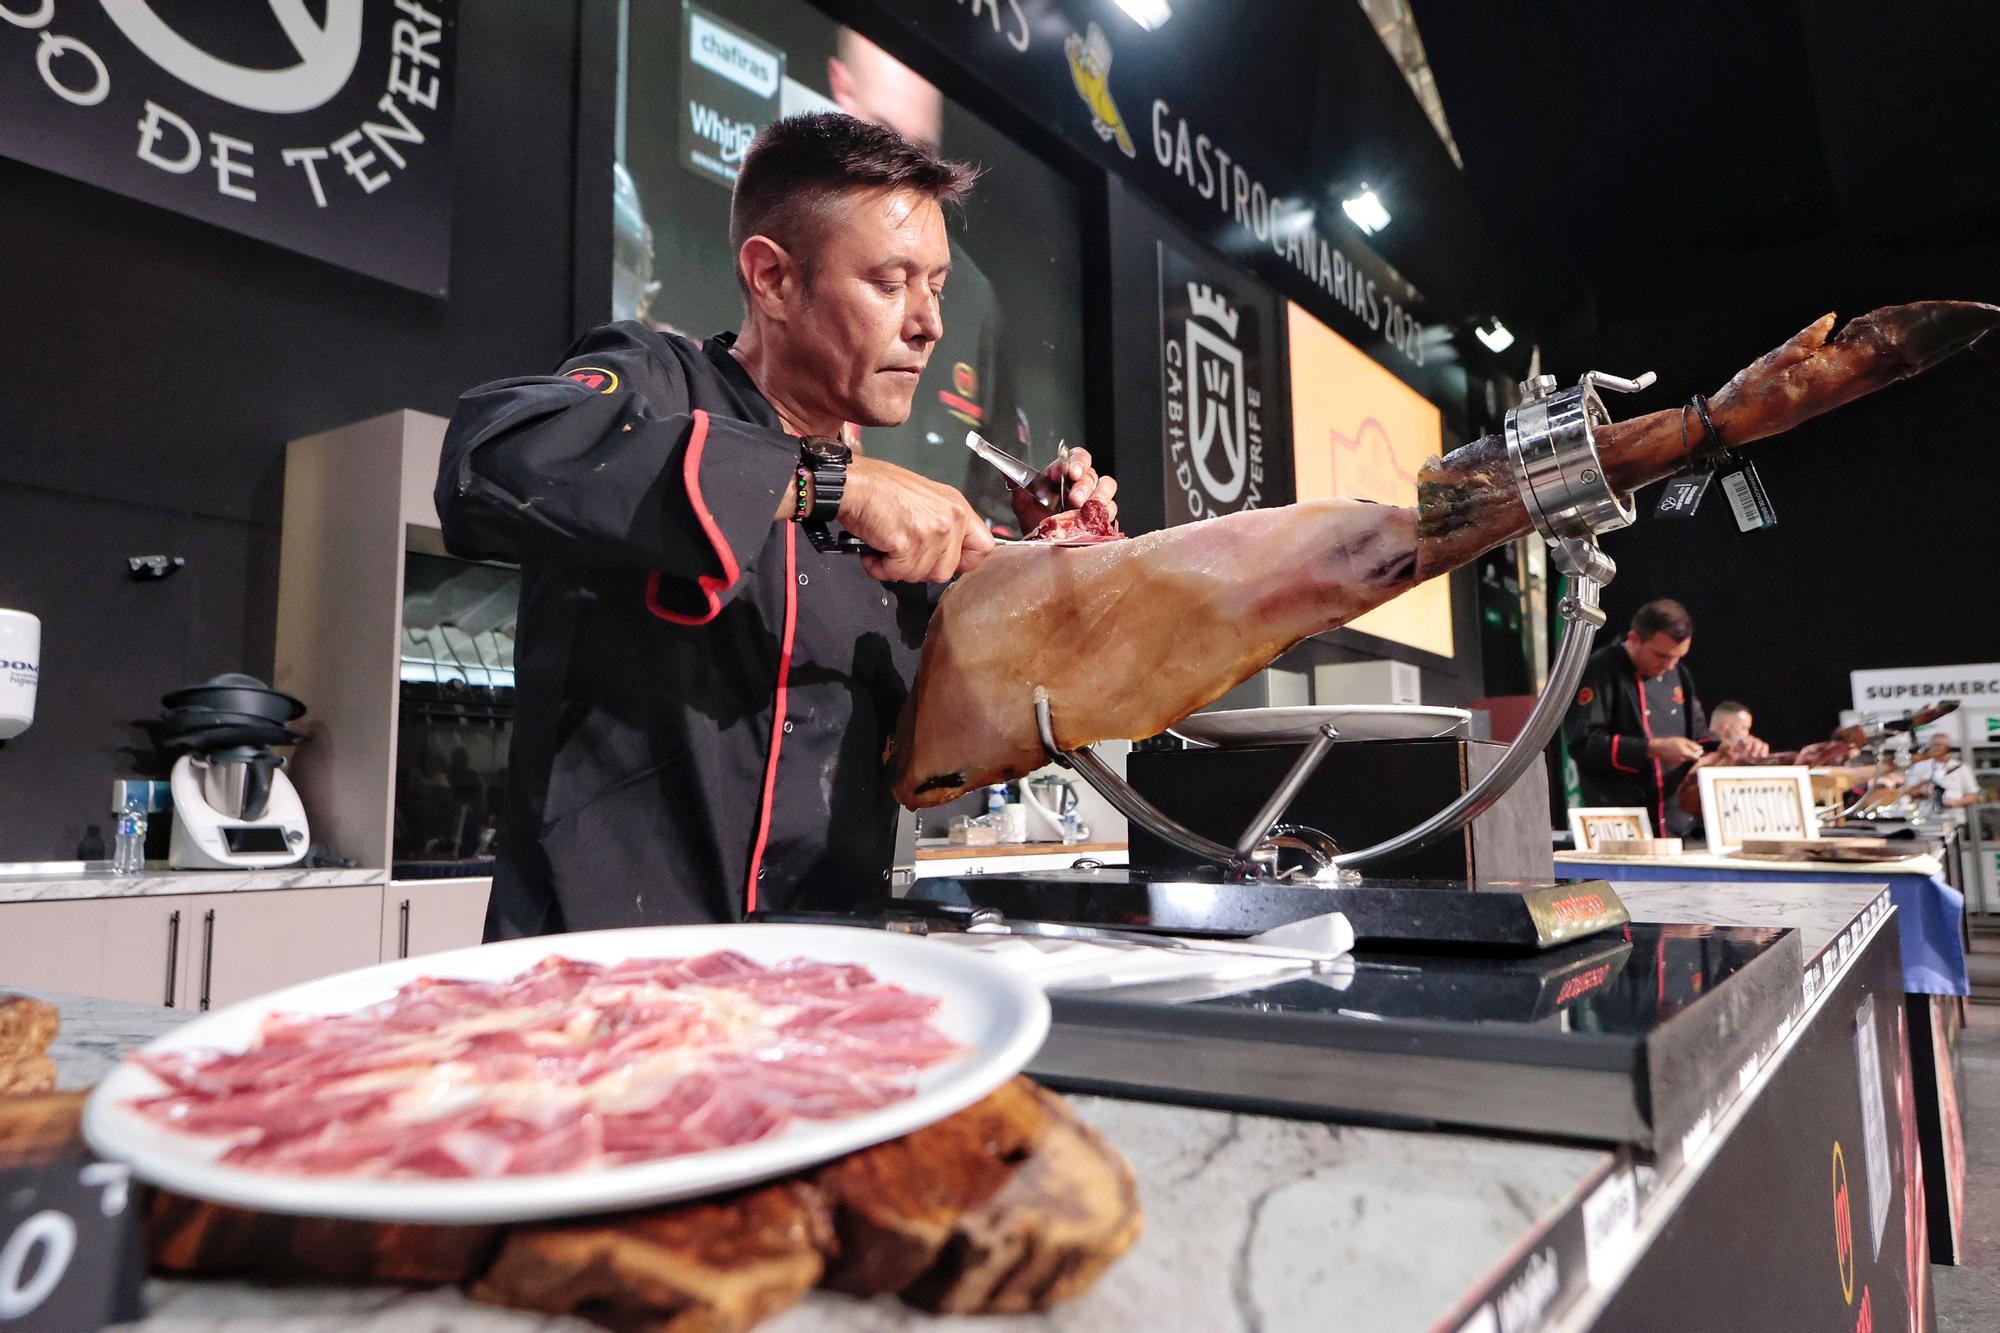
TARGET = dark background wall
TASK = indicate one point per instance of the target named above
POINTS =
(155, 367)
(1708, 178)
(1880, 557)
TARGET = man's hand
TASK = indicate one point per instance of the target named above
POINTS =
(1079, 481)
(1742, 750)
(926, 531)
(1673, 749)
(1746, 750)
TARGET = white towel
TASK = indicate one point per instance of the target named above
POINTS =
(1165, 975)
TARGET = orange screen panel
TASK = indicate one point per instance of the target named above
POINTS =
(1361, 433)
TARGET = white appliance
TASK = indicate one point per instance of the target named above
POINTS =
(235, 810)
(20, 671)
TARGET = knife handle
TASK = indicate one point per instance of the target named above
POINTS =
(826, 540)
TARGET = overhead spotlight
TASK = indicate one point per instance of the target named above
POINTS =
(1494, 336)
(1148, 14)
(1365, 210)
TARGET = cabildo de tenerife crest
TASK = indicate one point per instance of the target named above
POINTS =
(1214, 350)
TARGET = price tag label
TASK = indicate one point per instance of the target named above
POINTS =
(1747, 500)
(69, 1246)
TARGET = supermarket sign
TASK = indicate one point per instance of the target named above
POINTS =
(1894, 691)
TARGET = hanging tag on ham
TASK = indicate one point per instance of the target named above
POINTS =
(1683, 495)
(1747, 499)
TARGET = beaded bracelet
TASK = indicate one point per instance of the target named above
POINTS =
(805, 494)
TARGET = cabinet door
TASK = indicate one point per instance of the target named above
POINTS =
(53, 946)
(152, 946)
(250, 943)
(433, 915)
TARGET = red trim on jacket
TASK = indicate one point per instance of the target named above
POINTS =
(777, 715)
(1659, 774)
(710, 585)
(1615, 738)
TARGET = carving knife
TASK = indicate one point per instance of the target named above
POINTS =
(1049, 492)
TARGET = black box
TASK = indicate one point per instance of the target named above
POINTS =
(1363, 792)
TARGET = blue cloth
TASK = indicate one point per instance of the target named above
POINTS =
(1928, 911)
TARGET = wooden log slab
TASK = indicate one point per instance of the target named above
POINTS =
(27, 1027)
(1011, 1205)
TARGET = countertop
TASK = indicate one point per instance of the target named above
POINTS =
(1918, 864)
(1252, 1222)
(1819, 912)
(152, 882)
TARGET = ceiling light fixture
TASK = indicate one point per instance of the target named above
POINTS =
(1365, 210)
(1494, 336)
(1148, 14)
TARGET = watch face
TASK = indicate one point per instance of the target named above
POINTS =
(825, 450)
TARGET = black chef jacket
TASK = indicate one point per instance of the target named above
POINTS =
(1615, 713)
(702, 698)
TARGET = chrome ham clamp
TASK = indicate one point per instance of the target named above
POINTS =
(1570, 501)
(1553, 453)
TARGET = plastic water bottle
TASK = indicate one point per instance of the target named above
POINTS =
(129, 856)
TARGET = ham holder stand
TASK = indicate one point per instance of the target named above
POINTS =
(1562, 484)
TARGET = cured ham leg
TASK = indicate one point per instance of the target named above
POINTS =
(1129, 637)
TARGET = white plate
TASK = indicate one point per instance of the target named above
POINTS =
(1356, 722)
(1001, 1017)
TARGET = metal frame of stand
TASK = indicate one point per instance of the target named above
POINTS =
(1553, 452)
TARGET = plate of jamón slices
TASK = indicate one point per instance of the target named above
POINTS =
(567, 1074)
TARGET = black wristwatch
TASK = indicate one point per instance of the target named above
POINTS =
(823, 475)
(824, 460)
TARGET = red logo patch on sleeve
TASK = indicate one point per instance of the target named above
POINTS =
(1584, 696)
(593, 377)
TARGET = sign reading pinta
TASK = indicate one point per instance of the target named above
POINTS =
(320, 127)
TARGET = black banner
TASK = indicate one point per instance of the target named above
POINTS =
(1811, 1215)
(1233, 119)
(323, 129)
(1219, 400)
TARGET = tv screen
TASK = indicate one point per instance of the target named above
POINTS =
(1361, 433)
(696, 83)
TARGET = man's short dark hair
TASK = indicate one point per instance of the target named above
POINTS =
(1727, 708)
(1663, 616)
(799, 167)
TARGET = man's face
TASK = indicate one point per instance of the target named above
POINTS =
(1657, 655)
(865, 326)
(1732, 726)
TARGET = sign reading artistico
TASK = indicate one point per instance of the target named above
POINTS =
(322, 128)
(1217, 341)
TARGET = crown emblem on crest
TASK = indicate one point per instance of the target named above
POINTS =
(1208, 305)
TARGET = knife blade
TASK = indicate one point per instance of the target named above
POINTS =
(1014, 470)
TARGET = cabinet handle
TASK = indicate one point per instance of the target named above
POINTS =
(173, 954)
(403, 930)
(207, 954)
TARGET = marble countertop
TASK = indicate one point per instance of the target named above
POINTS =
(1920, 863)
(1252, 1222)
(154, 881)
(1819, 912)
